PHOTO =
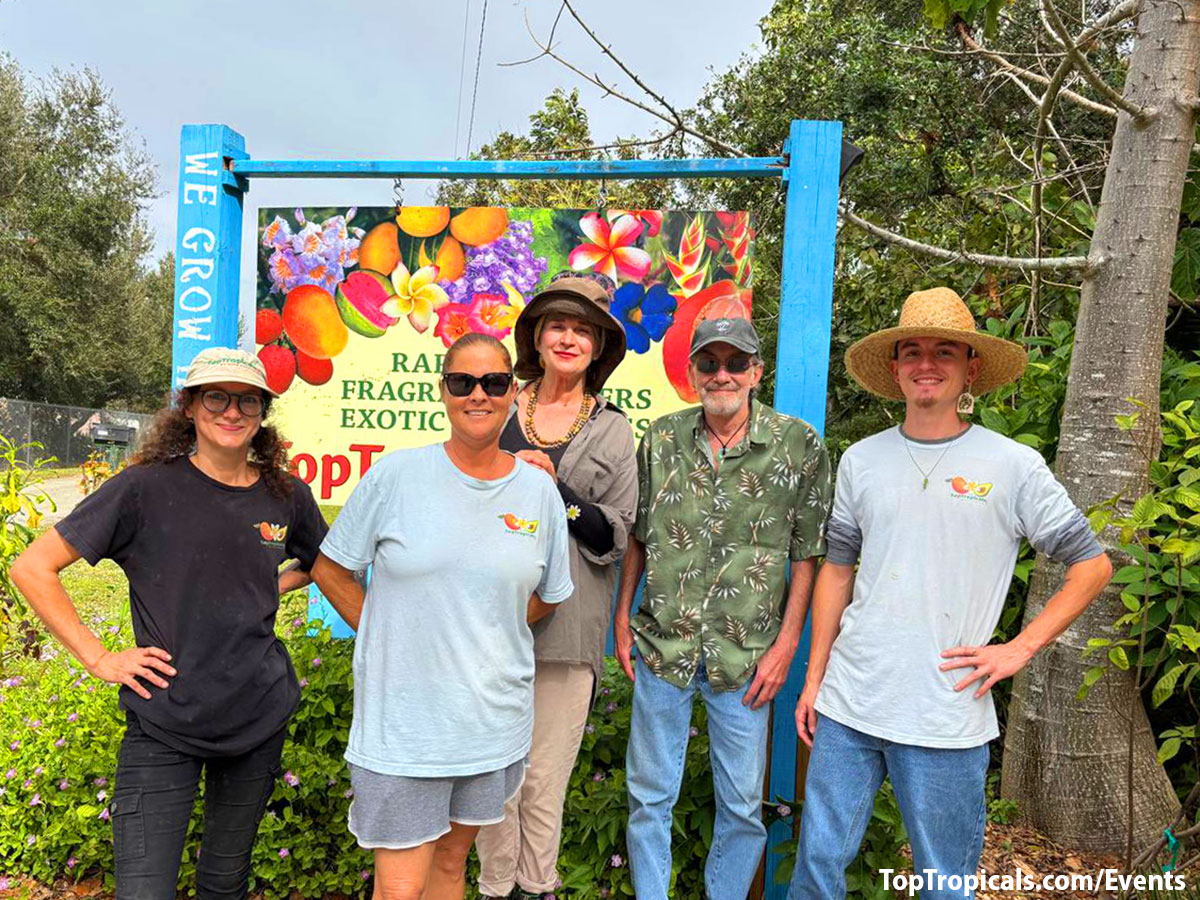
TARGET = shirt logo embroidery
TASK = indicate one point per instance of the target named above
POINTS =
(961, 488)
(272, 535)
(518, 525)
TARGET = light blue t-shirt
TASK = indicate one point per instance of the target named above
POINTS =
(935, 563)
(443, 660)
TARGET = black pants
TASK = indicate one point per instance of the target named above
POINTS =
(153, 802)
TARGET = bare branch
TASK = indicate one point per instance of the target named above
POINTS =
(1050, 263)
(1114, 96)
(1009, 68)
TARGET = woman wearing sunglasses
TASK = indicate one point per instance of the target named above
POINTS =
(567, 345)
(468, 545)
(200, 522)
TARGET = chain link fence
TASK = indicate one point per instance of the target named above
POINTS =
(65, 432)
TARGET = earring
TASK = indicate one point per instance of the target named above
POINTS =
(966, 403)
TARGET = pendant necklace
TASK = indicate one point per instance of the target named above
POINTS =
(924, 475)
(724, 444)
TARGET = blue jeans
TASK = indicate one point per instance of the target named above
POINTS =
(940, 793)
(658, 739)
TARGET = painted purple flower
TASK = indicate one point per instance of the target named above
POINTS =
(316, 663)
(72, 862)
(64, 784)
(35, 800)
(784, 810)
(100, 782)
(616, 861)
(284, 853)
(290, 778)
(103, 814)
(73, 717)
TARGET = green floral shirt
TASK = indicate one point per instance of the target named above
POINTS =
(718, 543)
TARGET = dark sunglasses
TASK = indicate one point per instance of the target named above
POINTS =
(250, 405)
(710, 365)
(460, 384)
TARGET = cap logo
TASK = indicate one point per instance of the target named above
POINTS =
(722, 326)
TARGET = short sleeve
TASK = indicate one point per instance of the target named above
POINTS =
(641, 520)
(843, 533)
(812, 499)
(104, 525)
(351, 541)
(1053, 524)
(308, 526)
(556, 585)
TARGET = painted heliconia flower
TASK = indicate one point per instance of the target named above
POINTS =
(611, 252)
(645, 315)
(417, 296)
(736, 235)
(651, 218)
(690, 268)
(452, 322)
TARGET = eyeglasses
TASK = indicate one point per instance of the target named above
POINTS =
(460, 384)
(250, 405)
(710, 365)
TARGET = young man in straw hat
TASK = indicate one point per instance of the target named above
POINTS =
(933, 512)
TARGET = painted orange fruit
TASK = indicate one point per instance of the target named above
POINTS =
(380, 249)
(512, 522)
(959, 484)
(479, 225)
(312, 322)
(422, 221)
(722, 300)
(450, 260)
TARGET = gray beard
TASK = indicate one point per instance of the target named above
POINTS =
(721, 406)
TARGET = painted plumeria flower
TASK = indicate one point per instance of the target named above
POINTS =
(651, 218)
(611, 251)
(417, 296)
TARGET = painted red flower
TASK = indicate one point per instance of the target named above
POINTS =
(453, 322)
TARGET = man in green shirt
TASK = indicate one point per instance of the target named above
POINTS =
(731, 495)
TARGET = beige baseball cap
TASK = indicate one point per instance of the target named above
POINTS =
(227, 364)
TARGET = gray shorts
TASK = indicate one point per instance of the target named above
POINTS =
(395, 812)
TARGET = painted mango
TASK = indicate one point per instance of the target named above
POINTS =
(312, 322)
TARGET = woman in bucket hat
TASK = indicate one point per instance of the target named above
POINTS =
(933, 513)
(568, 344)
(200, 522)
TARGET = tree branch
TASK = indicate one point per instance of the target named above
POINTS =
(1007, 67)
(1141, 113)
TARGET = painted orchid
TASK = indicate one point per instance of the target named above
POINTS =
(690, 268)
(611, 252)
(651, 218)
(417, 296)
(645, 314)
(452, 322)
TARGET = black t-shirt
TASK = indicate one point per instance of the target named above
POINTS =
(202, 560)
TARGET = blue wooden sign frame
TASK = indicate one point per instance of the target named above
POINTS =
(214, 171)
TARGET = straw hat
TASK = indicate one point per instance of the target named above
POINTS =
(941, 313)
(581, 298)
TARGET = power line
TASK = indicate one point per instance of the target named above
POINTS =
(475, 90)
(462, 72)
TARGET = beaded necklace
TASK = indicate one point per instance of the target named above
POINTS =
(585, 411)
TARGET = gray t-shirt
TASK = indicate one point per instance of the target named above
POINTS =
(443, 659)
(935, 566)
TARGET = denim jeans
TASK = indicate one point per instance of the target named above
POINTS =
(658, 739)
(153, 799)
(940, 793)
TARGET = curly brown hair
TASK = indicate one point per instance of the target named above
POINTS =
(173, 434)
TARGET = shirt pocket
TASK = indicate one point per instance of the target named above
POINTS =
(592, 476)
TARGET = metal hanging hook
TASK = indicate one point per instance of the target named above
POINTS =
(398, 192)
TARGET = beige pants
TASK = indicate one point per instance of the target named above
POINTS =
(523, 849)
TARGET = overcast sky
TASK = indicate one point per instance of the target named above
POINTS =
(370, 79)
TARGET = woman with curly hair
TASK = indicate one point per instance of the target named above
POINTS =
(200, 522)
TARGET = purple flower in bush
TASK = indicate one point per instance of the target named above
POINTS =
(102, 796)
(103, 814)
(597, 776)
(303, 682)
(612, 707)
(297, 622)
(72, 862)
(5, 884)
(316, 663)
(113, 629)
(784, 810)
(616, 861)
(290, 777)
(349, 793)
(64, 784)
(38, 771)
(36, 723)
(365, 874)
(284, 853)
(603, 892)
(10, 774)
(28, 783)
(15, 745)
(604, 691)
(73, 717)
(91, 689)
(101, 782)
(35, 800)
(590, 728)
(53, 698)
(30, 841)
(693, 731)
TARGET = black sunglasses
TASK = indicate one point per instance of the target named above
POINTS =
(460, 384)
(710, 365)
(250, 405)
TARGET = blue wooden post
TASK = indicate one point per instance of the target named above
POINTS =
(208, 243)
(814, 151)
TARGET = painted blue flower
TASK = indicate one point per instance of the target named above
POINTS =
(645, 315)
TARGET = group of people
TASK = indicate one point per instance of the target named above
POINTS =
(493, 561)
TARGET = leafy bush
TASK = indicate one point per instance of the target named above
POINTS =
(22, 505)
